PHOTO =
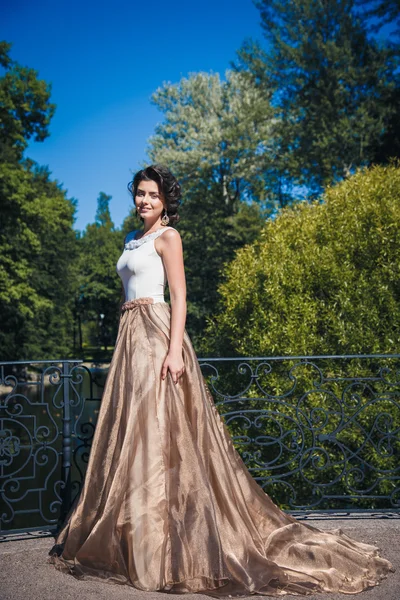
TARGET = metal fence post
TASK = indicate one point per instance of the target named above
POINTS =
(66, 443)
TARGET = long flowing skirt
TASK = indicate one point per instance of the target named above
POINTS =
(168, 504)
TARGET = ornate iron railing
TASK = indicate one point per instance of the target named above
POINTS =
(316, 432)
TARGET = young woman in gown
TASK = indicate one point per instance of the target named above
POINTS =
(167, 503)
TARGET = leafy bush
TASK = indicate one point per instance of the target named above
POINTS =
(323, 277)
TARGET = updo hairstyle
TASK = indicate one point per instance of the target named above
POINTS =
(167, 184)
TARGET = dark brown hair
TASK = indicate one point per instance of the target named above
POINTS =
(168, 186)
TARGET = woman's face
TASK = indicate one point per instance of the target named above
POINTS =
(148, 200)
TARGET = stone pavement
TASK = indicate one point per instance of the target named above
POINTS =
(26, 575)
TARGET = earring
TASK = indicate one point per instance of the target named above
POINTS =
(165, 219)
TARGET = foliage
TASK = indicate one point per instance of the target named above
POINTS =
(215, 131)
(378, 13)
(25, 108)
(37, 254)
(213, 138)
(99, 284)
(131, 222)
(335, 90)
(319, 101)
(211, 235)
(37, 241)
(322, 279)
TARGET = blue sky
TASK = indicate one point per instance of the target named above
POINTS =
(104, 60)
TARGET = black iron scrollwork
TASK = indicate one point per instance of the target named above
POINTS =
(314, 431)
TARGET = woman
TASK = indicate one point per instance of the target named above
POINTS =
(167, 503)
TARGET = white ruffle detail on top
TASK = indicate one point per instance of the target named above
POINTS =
(131, 243)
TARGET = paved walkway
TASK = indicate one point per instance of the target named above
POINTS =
(25, 574)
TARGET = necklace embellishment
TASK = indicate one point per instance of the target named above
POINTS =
(132, 244)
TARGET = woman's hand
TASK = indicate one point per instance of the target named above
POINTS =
(173, 362)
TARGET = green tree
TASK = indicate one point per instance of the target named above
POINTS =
(25, 107)
(323, 278)
(37, 240)
(211, 235)
(214, 131)
(214, 138)
(335, 90)
(130, 223)
(99, 284)
(103, 215)
(37, 254)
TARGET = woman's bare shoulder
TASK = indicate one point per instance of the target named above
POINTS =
(169, 242)
(170, 234)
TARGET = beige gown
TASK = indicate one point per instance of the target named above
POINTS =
(167, 503)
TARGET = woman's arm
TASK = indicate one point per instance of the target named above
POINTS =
(169, 247)
(122, 297)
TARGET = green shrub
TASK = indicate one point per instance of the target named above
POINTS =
(323, 277)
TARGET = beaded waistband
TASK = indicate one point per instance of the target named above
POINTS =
(132, 303)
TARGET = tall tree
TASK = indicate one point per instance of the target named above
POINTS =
(37, 257)
(37, 240)
(334, 88)
(215, 137)
(25, 107)
(99, 285)
(103, 215)
(218, 132)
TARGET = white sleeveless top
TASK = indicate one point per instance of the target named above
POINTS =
(141, 268)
